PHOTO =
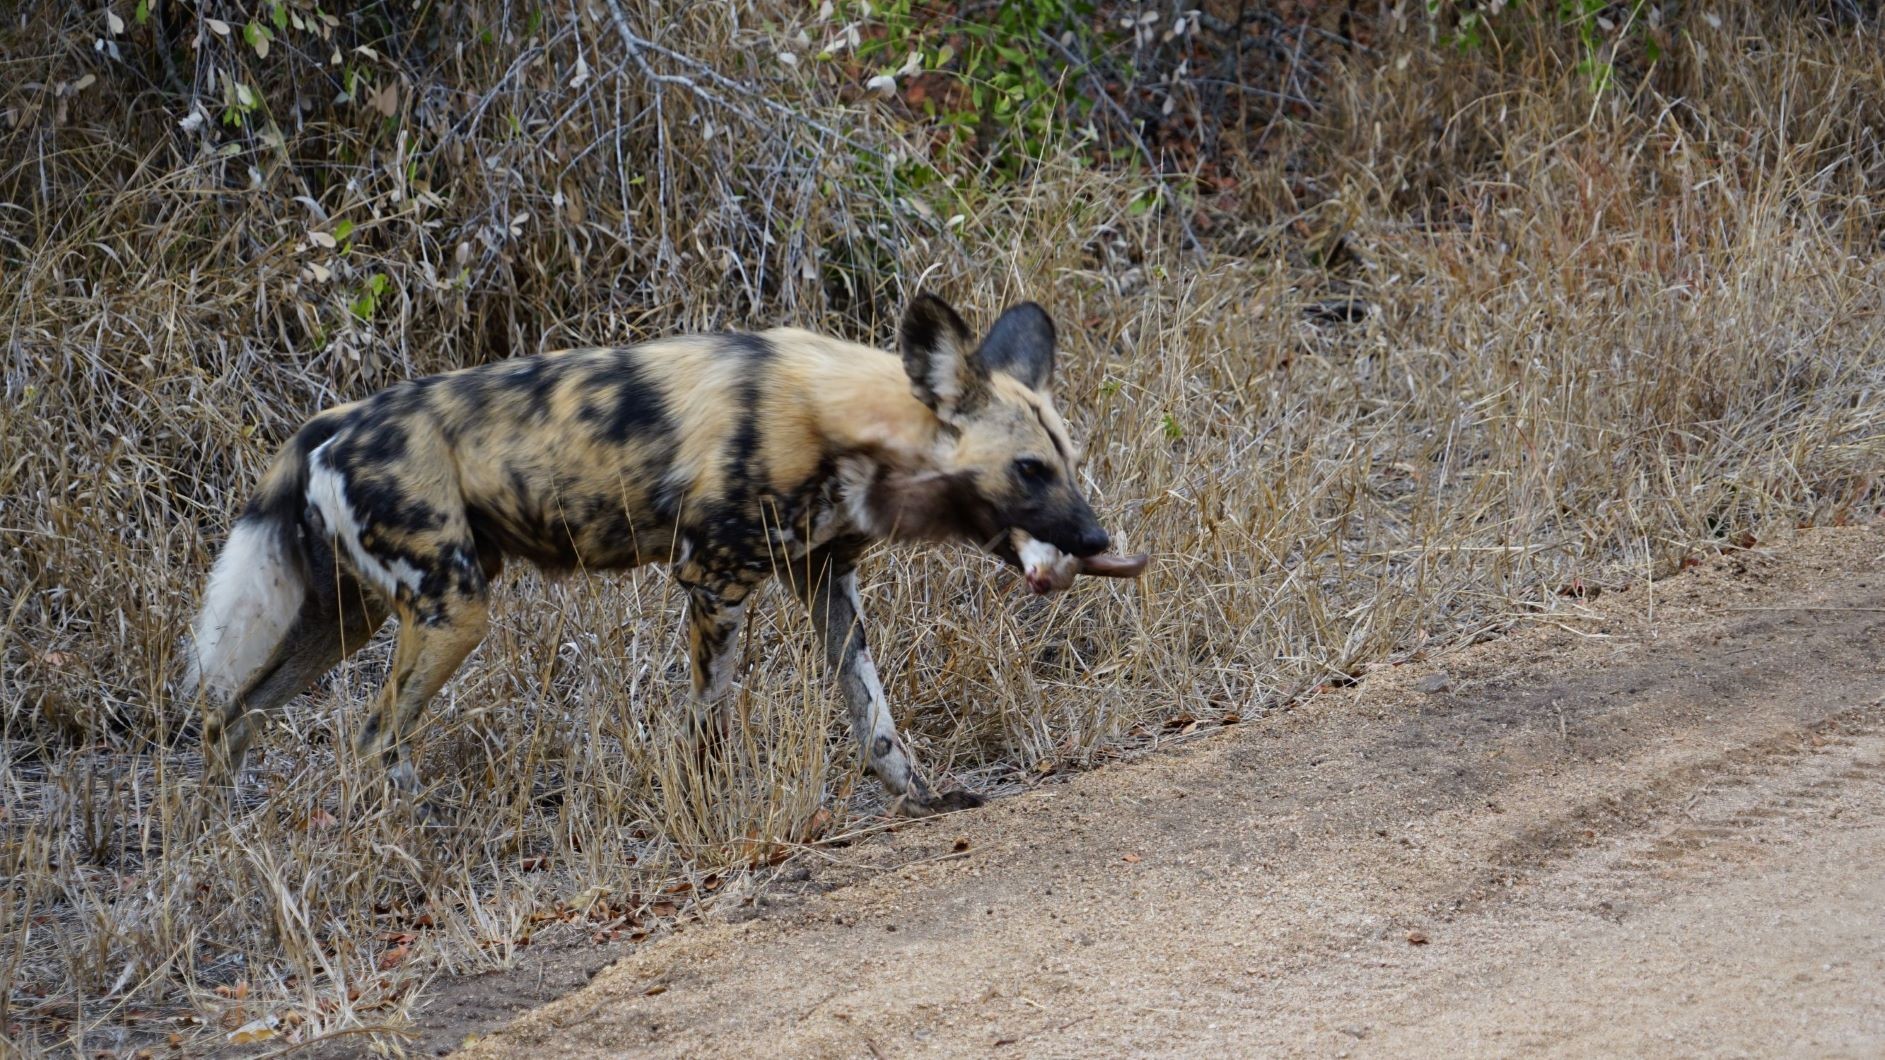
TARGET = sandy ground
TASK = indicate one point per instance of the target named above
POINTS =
(1655, 826)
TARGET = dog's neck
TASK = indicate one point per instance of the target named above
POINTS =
(893, 453)
(917, 506)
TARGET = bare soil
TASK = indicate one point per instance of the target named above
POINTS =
(1652, 824)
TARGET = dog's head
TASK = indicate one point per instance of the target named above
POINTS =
(1004, 461)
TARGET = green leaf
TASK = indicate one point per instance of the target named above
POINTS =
(343, 229)
(368, 303)
(142, 13)
(279, 15)
(258, 37)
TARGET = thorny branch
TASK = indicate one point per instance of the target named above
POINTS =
(1125, 123)
(637, 45)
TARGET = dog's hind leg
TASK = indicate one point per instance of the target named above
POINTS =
(389, 495)
(434, 639)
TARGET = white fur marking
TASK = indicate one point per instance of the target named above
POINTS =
(720, 673)
(866, 668)
(881, 722)
(945, 373)
(327, 492)
(855, 476)
(252, 599)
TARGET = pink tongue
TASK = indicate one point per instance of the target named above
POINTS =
(1107, 565)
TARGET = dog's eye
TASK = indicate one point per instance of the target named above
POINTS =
(1032, 470)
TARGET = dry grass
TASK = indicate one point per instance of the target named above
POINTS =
(1607, 330)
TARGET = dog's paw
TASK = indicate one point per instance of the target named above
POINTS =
(945, 802)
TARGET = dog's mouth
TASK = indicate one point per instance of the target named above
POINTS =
(1047, 569)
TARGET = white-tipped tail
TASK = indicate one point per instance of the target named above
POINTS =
(253, 597)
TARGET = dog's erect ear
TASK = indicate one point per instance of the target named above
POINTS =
(945, 372)
(1022, 344)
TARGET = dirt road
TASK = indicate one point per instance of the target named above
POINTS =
(1654, 827)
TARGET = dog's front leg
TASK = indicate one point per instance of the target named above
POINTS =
(716, 608)
(828, 585)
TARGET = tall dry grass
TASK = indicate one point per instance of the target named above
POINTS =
(1604, 330)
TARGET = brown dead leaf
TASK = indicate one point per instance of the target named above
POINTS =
(760, 852)
(1417, 937)
(385, 100)
(257, 1030)
(815, 826)
(391, 958)
(1132, 859)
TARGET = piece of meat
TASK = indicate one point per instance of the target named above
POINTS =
(1048, 569)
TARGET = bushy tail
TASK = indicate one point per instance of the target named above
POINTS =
(259, 581)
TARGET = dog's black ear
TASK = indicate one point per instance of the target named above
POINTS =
(1022, 344)
(945, 371)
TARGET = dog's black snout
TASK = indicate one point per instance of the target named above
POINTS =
(1091, 542)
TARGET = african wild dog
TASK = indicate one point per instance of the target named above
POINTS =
(735, 457)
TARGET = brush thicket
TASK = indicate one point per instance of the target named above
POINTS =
(1600, 326)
